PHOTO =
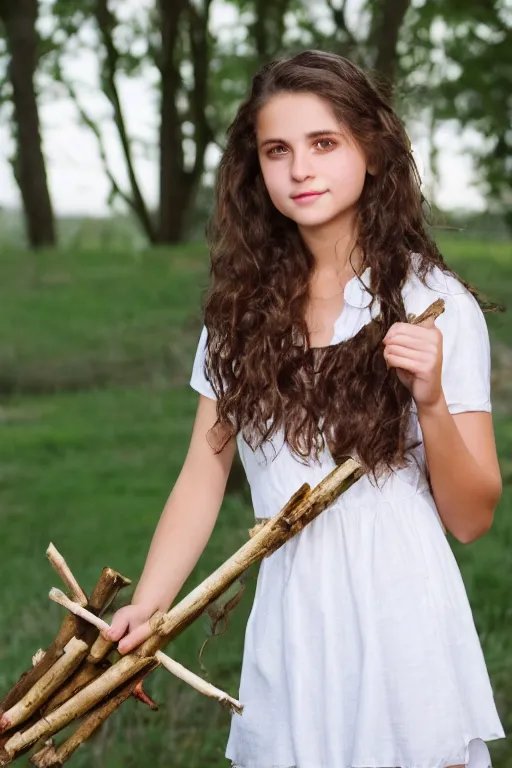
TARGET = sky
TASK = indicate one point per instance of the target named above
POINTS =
(78, 184)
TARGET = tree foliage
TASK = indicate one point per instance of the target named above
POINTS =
(447, 59)
(473, 43)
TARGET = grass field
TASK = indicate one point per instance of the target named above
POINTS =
(95, 354)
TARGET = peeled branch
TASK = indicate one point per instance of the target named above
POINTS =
(67, 577)
(170, 664)
(74, 652)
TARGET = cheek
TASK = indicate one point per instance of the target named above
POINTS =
(275, 184)
(349, 174)
(353, 169)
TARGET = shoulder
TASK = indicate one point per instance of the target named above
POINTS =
(462, 319)
(436, 284)
(419, 293)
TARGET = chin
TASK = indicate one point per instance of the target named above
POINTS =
(322, 218)
(312, 221)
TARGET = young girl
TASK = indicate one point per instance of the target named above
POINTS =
(360, 650)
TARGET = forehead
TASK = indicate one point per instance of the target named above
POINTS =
(295, 114)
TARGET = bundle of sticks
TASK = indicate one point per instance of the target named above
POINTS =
(81, 676)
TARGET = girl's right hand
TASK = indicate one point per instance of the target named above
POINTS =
(130, 623)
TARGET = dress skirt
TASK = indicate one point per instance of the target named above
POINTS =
(361, 650)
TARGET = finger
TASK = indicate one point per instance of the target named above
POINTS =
(408, 364)
(118, 627)
(408, 352)
(134, 638)
(411, 331)
(396, 328)
(423, 342)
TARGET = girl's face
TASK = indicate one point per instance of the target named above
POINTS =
(313, 170)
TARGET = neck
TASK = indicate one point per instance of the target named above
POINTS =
(333, 246)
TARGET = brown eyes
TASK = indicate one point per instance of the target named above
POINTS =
(274, 150)
(323, 145)
(326, 141)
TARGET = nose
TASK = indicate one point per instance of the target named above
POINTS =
(301, 168)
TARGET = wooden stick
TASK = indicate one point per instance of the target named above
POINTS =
(130, 669)
(46, 757)
(57, 756)
(59, 597)
(139, 694)
(74, 652)
(106, 590)
(304, 506)
(93, 666)
(67, 577)
(5, 758)
(79, 704)
(273, 535)
(38, 656)
(99, 650)
(434, 310)
(198, 683)
(172, 666)
(83, 677)
(107, 587)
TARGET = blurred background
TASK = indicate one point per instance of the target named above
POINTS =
(112, 119)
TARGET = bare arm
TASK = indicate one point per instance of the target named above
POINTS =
(183, 530)
(463, 467)
(460, 447)
(188, 517)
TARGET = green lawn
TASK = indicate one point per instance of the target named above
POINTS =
(95, 356)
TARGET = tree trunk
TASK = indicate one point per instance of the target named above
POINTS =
(174, 193)
(268, 28)
(106, 22)
(387, 22)
(178, 185)
(19, 17)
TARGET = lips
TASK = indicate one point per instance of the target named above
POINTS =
(305, 195)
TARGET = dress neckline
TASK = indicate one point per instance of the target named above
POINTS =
(355, 294)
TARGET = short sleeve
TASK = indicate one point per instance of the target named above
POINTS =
(198, 380)
(466, 374)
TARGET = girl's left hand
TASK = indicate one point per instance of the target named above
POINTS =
(416, 351)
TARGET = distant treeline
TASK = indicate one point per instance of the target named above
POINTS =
(438, 60)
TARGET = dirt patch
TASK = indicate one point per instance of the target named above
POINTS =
(21, 413)
(166, 360)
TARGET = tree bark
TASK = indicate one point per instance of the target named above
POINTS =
(388, 18)
(173, 181)
(108, 586)
(268, 28)
(19, 18)
(178, 186)
(348, 45)
(74, 652)
(106, 23)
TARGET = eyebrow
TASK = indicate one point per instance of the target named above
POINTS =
(311, 135)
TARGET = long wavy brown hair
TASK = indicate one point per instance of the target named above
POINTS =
(258, 360)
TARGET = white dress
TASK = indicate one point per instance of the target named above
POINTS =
(360, 648)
